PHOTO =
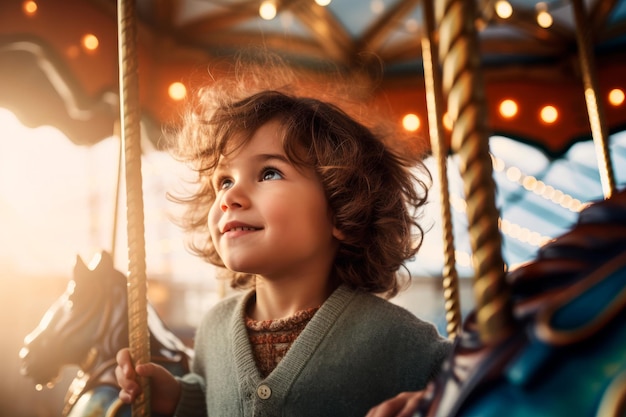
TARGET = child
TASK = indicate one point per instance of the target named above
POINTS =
(314, 215)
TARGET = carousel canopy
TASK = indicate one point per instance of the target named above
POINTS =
(528, 50)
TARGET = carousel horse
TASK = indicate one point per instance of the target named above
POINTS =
(566, 354)
(86, 327)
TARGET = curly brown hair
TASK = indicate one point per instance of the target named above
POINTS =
(373, 191)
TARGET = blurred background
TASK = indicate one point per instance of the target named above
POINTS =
(59, 147)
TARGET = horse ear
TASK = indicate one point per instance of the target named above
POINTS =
(101, 261)
(80, 264)
(80, 269)
(105, 264)
(105, 258)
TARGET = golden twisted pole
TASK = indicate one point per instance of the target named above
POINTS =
(138, 336)
(434, 103)
(463, 84)
(595, 109)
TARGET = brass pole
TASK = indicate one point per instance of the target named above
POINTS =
(463, 84)
(595, 109)
(434, 103)
(118, 188)
(130, 115)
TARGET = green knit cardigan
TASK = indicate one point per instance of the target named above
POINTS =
(357, 351)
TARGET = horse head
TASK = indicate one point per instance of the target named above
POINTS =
(86, 326)
(91, 312)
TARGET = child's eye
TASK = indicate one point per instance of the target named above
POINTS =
(269, 174)
(224, 183)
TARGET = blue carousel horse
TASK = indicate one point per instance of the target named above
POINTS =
(567, 353)
(86, 327)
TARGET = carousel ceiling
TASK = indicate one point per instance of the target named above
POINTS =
(58, 65)
(528, 51)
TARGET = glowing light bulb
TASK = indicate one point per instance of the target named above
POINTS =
(177, 91)
(90, 42)
(549, 114)
(267, 10)
(508, 108)
(504, 10)
(616, 97)
(29, 8)
(411, 122)
(544, 19)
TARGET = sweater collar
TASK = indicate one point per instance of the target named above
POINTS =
(300, 352)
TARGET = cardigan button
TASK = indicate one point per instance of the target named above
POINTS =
(264, 392)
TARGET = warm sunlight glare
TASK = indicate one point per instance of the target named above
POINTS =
(37, 171)
(57, 200)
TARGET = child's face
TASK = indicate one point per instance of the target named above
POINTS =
(270, 218)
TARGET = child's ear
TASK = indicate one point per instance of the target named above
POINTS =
(338, 234)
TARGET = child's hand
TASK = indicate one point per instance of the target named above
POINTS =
(164, 388)
(402, 405)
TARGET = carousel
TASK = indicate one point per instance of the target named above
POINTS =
(521, 105)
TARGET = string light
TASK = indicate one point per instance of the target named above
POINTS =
(411, 122)
(323, 3)
(532, 184)
(267, 10)
(549, 114)
(513, 174)
(544, 18)
(177, 91)
(503, 8)
(523, 234)
(508, 108)
(508, 228)
(29, 8)
(90, 42)
(616, 97)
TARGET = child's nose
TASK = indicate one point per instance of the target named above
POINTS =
(225, 206)
(233, 198)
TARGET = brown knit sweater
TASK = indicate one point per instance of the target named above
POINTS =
(271, 339)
